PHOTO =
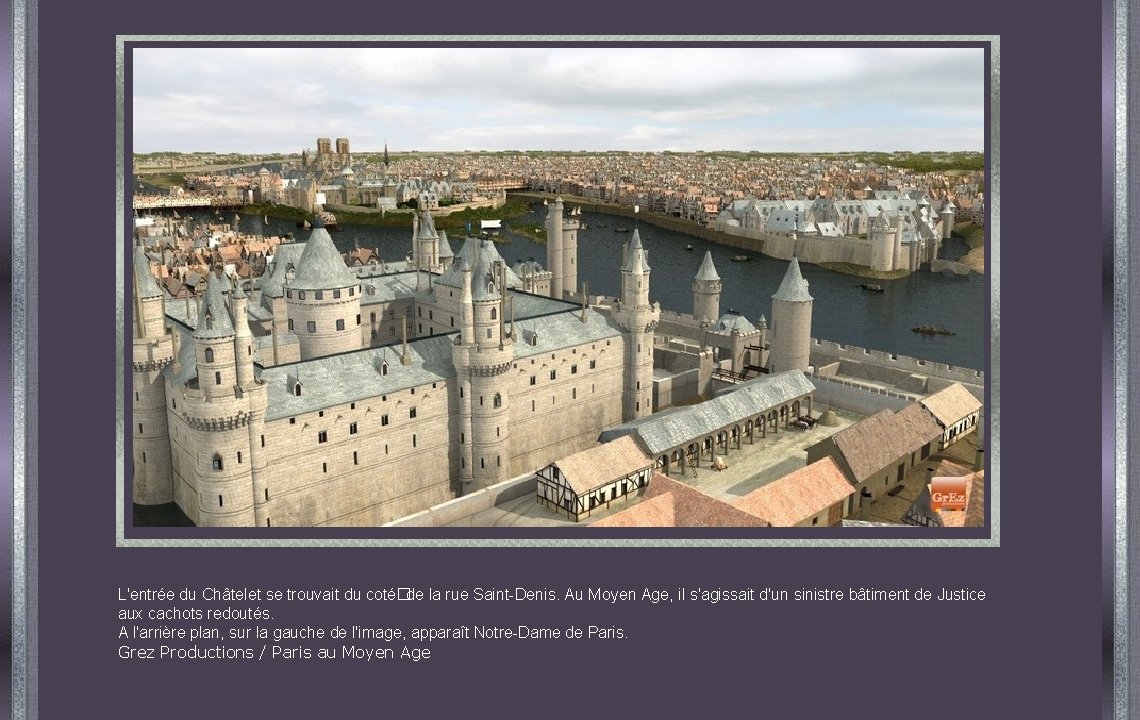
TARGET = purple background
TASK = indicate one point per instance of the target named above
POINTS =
(1033, 649)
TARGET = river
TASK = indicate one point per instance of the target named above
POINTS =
(842, 311)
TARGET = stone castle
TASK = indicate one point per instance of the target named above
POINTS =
(338, 395)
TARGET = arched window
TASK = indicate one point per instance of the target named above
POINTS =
(384, 369)
(217, 461)
(209, 354)
(498, 400)
(494, 313)
(297, 389)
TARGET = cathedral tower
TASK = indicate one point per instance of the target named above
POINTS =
(706, 292)
(790, 345)
(152, 350)
(639, 318)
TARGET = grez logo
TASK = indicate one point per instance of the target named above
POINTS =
(948, 493)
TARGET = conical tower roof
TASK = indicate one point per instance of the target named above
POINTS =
(635, 255)
(321, 266)
(214, 318)
(427, 226)
(147, 287)
(445, 250)
(793, 288)
(707, 270)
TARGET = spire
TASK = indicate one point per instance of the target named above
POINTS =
(427, 226)
(707, 271)
(213, 317)
(793, 288)
(145, 284)
(635, 256)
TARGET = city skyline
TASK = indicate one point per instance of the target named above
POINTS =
(762, 99)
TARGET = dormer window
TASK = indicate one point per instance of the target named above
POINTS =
(297, 389)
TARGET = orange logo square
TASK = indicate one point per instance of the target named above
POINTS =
(948, 493)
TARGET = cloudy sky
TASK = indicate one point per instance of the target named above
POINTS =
(261, 99)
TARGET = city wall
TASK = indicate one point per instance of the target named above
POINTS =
(468, 505)
(666, 222)
(781, 246)
(858, 399)
(882, 366)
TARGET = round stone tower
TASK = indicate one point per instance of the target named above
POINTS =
(323, 299)
(554, 247)
(706, 292)
(570, 227)
(152, 350)
(639, 318)
(790, 345)
(947, 216)
(217, 416)
(882, 244)
(482, 355)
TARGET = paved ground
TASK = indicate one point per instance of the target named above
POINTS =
(755, 465)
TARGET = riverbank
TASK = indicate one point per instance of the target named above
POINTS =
(452, 222)
(862, 271)
(975, 238)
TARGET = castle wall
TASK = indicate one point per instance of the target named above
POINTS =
(201, 430)
(857, 399)
(323, 337)
(572, 409)
(676, 388)
(471, 504)
(150, 437)
(824, 352)
(367, 477)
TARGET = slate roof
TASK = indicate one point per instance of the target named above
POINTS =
(285, 255)
(354, 376)
(663, 431)
(563, 330)
(321, 266)
(798, 495)
(707, 271)
(427, 226)
(635, 256)
(478, 252)
(951, 404)
(214, 317)
(146, 286)
(733, 321)
(793, 288)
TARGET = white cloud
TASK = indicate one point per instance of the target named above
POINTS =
(264, 99)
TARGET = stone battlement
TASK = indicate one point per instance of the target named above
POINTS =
(855, 353)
